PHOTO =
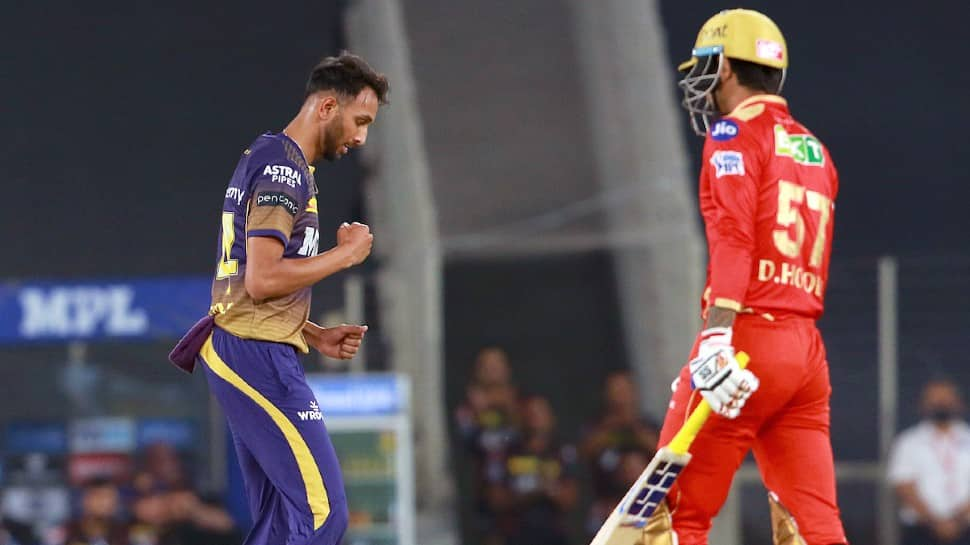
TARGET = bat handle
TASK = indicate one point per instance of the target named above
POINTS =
(681, 442)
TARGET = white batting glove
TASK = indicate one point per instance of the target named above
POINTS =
(716, 374)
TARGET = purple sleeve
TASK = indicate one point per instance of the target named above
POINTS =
(279, 190)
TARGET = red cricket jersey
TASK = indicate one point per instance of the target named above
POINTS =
(767, 193)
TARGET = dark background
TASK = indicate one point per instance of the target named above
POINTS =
(878, 82)
(122, 123)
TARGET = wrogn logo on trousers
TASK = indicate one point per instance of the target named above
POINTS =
(313, 414)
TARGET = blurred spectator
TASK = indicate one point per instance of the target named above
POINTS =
(619, 437)
(487, 423)
(929, 468)
(181, 517)
(194, 521)
(100, 521)
(149, 519)
(162, 471)
(539, 489)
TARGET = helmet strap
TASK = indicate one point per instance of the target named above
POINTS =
(781, 84)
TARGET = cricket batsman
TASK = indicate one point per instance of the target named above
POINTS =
(767, 192)
(268, 261)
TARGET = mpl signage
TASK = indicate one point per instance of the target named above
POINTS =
(138, 309)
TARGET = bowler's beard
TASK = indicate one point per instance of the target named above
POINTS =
(332, 140)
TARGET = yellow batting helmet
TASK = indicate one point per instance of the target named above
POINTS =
(741, 34)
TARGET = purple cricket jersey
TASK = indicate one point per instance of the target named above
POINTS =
(289, 466)
(272, 193)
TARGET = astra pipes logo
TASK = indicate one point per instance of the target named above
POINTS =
(313, 414)
(283, 174)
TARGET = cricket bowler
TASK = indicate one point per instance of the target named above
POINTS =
(767, 192)
(268, 261)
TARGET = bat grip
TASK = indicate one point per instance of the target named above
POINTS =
(681, 442)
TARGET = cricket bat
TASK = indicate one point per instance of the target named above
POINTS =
(626, 522)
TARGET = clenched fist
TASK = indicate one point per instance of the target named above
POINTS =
(357, 240)
(341, 342)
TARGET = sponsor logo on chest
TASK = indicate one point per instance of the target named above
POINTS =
(804, 149)
(283, 174)
(311, 242)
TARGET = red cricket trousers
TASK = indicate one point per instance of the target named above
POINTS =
(786, 423)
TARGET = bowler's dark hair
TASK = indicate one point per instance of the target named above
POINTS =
(757, 77)
(346, 74)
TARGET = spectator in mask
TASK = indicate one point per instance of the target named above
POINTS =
(929, 469)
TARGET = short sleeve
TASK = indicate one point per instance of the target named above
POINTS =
(903, 466)
(279, 190)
